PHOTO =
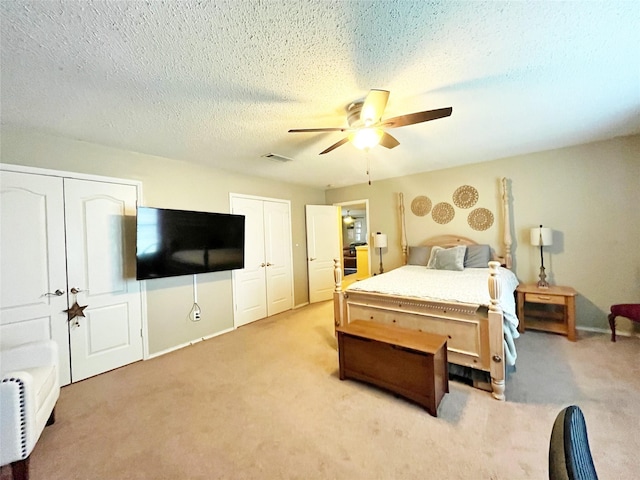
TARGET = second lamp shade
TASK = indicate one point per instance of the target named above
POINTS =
(380, 240)
(541, 236)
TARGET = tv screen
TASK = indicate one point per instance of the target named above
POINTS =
(180, 242)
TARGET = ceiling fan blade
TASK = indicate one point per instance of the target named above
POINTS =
(388, 141)
(328, 129)
(418, 117)
(373, 106)
(335, 145)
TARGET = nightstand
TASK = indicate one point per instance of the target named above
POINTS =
(550, 309)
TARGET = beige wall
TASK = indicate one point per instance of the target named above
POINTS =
(172, 184)
(588, 194)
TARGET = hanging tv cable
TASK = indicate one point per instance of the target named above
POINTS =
(195, 312)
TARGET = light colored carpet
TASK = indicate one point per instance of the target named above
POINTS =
(265, 402)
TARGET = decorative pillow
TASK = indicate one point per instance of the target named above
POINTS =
(477, 256)
(432, 257)
(419, 256)
(450, 258)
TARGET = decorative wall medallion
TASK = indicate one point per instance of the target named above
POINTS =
(443, 212)
(480, 219)
(421, 206)
(465, 196)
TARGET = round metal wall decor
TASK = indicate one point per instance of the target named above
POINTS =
(421, 206)
(443, 213)
(480, 219)
(465, 196)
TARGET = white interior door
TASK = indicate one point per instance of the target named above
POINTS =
(277, 234)
(249, 283)
(100, 221)
(33, 265)
(323, 246)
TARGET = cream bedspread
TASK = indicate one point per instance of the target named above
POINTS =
(467, 286)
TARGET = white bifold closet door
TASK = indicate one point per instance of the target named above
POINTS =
(64, 241)
(264, 287)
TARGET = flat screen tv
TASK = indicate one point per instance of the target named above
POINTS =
(181, 242)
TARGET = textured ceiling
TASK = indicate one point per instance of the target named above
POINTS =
(220, 83)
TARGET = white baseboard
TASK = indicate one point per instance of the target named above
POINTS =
(198, 340)
(608, 331)
(187, 344)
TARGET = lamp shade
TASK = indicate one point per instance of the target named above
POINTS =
(541, 236)
(380, 240)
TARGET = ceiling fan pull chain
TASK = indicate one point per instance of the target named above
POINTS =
(368, 166)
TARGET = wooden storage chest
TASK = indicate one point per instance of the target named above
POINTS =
(410, 363)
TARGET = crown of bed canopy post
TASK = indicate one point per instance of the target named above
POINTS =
(506, 222)
(403, 229)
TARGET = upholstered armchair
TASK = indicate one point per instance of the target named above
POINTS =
(29, 390)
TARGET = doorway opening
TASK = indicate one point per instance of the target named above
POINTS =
(354, 239)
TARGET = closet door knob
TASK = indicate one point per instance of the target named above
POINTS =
(312, 259)
(263, 265)
(269, 264)
(77, 290)
(57, 293)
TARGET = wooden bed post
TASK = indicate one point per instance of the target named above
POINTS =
(403, 229)
(506, 222)
(338, 297)
(496, 333)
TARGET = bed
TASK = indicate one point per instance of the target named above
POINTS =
(474, 307)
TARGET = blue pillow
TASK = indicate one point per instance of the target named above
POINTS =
(477, 256)
(419, 256)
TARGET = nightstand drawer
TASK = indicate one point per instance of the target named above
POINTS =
(544, 298)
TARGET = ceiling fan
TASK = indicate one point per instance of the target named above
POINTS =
(366, 126)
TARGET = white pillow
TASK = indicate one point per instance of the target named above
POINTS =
(448, 258)
(432, 257)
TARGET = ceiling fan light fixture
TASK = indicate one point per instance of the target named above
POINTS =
(366, 138)
(348, 219)
(368, 127)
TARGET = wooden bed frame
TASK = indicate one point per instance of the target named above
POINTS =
(475, 334)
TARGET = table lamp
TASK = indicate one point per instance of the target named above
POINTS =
(541, 237)
(380, 242)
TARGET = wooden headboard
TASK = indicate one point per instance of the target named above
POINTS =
(454, 240)
(448, 241)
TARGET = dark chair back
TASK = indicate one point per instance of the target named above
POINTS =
(569, 452)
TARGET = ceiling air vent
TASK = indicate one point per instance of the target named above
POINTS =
(277, 157)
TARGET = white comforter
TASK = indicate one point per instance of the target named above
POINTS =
(467, 286)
